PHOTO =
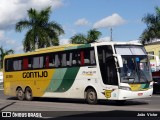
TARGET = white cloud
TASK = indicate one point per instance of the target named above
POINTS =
(104, 39)
(81, 22)
(64, 41)
(110, 21)
(44, 3)
(11, 11)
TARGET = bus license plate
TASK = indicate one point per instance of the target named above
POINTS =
(140, 94)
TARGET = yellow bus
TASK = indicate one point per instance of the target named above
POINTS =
(106, 70)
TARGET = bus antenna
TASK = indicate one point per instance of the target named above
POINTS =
(111, 34)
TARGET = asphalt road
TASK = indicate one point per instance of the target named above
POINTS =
(72, 107)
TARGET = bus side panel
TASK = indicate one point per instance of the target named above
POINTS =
(37, 80)
(81, 78)
(61, 82)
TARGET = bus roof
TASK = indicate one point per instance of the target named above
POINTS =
(51, 49)
(115, 43)
(69, 47)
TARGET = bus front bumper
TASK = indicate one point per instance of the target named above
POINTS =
(126, 95)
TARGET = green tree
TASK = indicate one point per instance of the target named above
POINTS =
(3, 53)
(153, 27)
(41, 32)
(92, 36)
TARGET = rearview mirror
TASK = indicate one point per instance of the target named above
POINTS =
(119, 59)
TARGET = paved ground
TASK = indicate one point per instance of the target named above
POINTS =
(70, 107)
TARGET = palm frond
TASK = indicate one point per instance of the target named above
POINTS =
(45, 14)
(56, 27)
(153, 26)
(32, 14)
(3, 53)
(24, 24)
(78, 39)
(93, 35)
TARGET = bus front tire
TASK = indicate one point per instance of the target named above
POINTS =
(20, 94)
(91, 96)
(28, 94)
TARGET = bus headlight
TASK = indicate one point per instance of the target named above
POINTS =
(125, 88)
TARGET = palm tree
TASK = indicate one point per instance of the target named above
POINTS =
(153, 27)
(78, 39)
(41, 32)
(92, 36)
(3, 53)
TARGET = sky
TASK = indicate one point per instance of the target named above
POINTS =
(78, 16)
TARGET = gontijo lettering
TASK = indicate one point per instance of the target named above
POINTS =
(35, 74)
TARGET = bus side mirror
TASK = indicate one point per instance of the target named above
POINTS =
(156, 58)
(119, 60)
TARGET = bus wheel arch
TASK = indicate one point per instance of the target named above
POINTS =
(28, 93)
(20, 93)
(90, 95)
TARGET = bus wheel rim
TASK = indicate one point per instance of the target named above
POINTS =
(29, 94)
(20, 94)
(91, 96)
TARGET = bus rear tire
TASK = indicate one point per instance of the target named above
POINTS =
(20, 94)
(28, 94)
(91, 96)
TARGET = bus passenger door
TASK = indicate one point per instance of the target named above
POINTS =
(108, 68)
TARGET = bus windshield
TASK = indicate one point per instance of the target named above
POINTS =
(136, 68)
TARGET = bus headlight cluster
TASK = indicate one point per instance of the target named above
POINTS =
(124, 88)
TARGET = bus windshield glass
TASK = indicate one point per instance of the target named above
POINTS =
(136, 67)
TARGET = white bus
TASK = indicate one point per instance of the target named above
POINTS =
(98, 71)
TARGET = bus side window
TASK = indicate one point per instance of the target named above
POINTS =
(30, 63)
(78, 56)
(57, 60)
(69, 59)
(38, 62)
(74, 62)
(46, 62)
(51, 60)
(86, 57)
(8, 65)
(92, 57)
(17, 65)
(75, 59)
(63, 60)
